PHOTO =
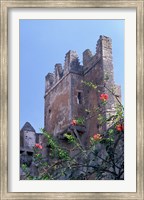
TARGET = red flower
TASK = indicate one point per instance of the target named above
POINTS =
(120, 127)
(74, 122)
(38, 146)
(104, 97)
(97, 136)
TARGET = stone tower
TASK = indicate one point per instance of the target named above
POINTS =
(27, 137)
(66, 95)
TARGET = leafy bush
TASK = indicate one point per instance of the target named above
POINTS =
(102, 159)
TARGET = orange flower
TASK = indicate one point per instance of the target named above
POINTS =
(104, 97)
(74, 122)
(120, 127)
(97, 137)
(38, 146)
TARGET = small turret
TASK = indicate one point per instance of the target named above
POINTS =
(27, 136)
(27, 127)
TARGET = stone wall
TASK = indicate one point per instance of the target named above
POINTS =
(61, 91)
(27, 136)
(57, 106)
(28, 139)
(98, 69)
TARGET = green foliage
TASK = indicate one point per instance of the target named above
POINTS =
(102, 159)
(80, 121)
(57, 150)
(24, 167)
(70, 138)
(89, 84)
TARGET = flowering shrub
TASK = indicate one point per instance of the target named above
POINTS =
(102, 159)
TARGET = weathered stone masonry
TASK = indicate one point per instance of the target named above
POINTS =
(66, 97)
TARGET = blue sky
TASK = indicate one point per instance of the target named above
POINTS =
(43, 43)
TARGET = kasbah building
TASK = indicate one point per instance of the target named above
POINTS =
(67, 97)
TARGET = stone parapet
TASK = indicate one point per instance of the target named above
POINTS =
(71, 64)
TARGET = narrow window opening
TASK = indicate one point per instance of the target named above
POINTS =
(29, 153)
(49, 110)
(79, 98)
(87, 113)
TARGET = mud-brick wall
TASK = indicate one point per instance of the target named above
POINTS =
(57, 106)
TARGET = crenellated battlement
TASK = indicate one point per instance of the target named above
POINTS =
(58, 71)
(72, 64)
(87, 56)
(49, 81)
(103, 47)
(71, 61)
